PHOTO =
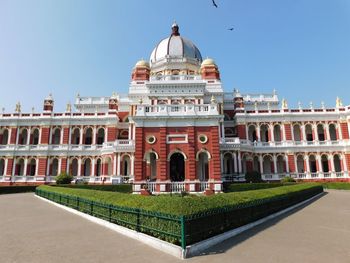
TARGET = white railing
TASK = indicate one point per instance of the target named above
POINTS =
(177, 187)
(151, 186)
(177, 110)
(175, 77)
(203, 186)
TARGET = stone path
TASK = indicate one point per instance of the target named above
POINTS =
(32, 230)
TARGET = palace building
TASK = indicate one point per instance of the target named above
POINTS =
(176, 130)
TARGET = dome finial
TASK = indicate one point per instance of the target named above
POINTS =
(175, 29)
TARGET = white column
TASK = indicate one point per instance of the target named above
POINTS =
(292, 131)
(36, 166)
(79, 166)
(272, 132)
(331, 158)
(59, 166)
(50, 135)
(296, 164)
(345, 167)
(258, 132)
(340, 134)
(10, 134)
(287, 164)
(13, 167)
(235, 162)
(70, 135)
(5, 166)
(40, 132)
(261, 163)
(318, 159)
(25, 166)
(118, 166)
(303, 131)
(132, 165)
(47, 167)
(239, 163)
(134, 131)
(94, 135)
(114, 165)
(67, 166)
(283, 133)
(327, 133)
(81, 135)
(275, 163)
(61, 135)
(17, 135)
(93, 167)
(222, 162)
(28, 136)
(222, 130)
(129, 135)
(307, 163)
(246, 132)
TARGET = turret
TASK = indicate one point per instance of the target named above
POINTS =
(48, 103)
(141, 71)
(237, 99)
(209, 69)
(113, 103)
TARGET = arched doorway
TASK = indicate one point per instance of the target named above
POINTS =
(87, 167)
(177, 167)
(203, 167)
(2, 167)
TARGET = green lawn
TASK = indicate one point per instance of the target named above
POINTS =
(336, 185)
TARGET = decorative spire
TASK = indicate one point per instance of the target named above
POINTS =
(338, 103)
(18, 107)
(175, 29)
(69, 107)
(284, 104)
(213, 99)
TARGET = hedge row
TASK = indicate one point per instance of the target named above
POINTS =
(17, 189)
(232, 187)
(337, 185)
(121, 188)
(181, 220)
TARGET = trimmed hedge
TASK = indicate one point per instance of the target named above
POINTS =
(121, 188)
(177, 204)
(17, 189)
(250, 186)
(337, 185)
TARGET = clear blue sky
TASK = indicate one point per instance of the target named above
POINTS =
(301, 48)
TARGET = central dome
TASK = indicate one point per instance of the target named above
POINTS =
(175, 49)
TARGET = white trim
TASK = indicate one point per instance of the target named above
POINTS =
(184, 136)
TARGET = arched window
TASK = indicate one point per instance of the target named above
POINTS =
(75, 136)
(332, 132)
(35, 137)
(228, 164)
(203, 167)
(2, 167)
(281, 164)
(297, 132)
(256, 164)
(324, 161)
(320, 132)
(267, 164)
(56, 136)
(264, 133)
(252, 133)
(74, 167)
(19, 168)
(277, 133)
(125, 165)
(87, 167)
(54, 167)
(98, 167)
(100, 136)
(312, 164)
(308, 133)
(4, 136)
(31, 167)
(337, 163)
(300, 164)
(88, 136)
(23, 137)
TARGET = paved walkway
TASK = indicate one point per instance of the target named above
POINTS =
(32, 230)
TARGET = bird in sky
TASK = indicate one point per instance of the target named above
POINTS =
(214, 4)
(231, 28)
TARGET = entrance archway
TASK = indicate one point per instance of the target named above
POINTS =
(177, 167)
(203, 168)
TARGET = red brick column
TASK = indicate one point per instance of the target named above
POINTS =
(45, 134)
(42, 166)
(288, 132)
(111, 133)
(291, 163)
(65, 135)
(344, 130)
(13, 135)
(214, 163)
(347, 160)
(138, 162)
(191, 171)
(241, 130)
(9, 167)
(162, 162)
(64, 165)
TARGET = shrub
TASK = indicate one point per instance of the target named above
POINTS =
(17, 189)
(239, 187)
(121, 188)
(288, 179)
(64, 178)
(253, 177)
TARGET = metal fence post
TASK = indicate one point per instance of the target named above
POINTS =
(110, 213)
(183, 232)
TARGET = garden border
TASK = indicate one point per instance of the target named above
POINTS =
(172, 249)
